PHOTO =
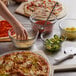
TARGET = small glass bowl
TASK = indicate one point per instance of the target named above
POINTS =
(52, 43)
(32, 37)
(39, 23)
(68, 24)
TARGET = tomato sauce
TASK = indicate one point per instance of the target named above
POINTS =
(4, 27)
(47, 28)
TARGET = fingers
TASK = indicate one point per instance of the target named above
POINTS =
(22, 36)
(18, 37)
(35, 28)
(21, 33)
(25, 34)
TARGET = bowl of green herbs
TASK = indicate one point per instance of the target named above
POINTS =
(52, 44)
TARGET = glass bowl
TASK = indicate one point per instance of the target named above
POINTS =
(68, 28)
(52, 43)
(38, 22)
(32, 37)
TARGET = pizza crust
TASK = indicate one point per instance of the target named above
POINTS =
(4, 39)
(44, 56)
(62, 14)
(20, 9)
(27, 12)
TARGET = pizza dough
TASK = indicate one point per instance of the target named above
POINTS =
(27, 9)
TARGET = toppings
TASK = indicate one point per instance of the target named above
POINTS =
(53, 44)
(70, 29)
(69, 33)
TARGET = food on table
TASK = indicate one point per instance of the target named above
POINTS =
(43, 7)
(53, 44)
(43, 28)
(4, 27)
(23, 63)
(69, 33)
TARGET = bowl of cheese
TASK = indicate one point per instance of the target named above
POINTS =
(68, 28)
(22, 44)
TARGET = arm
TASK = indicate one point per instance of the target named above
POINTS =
(20, 1)
(5, 13)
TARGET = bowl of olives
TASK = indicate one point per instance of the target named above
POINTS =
(52, 44)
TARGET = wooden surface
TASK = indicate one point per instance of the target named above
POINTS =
(8, 46)
(20, 9)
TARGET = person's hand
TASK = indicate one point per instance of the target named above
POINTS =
(17, 26)
(5, 2)
(20, 1)
(20, 31)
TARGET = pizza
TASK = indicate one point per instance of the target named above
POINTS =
(23, 63)
(4, 27)
(42, 9)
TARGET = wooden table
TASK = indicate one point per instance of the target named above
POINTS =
(71, 13)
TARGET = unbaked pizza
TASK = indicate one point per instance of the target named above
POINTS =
(43, 8)
(4, 27)
(23, 63)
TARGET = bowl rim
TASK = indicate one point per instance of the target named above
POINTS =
(33, 21)
(60, 23)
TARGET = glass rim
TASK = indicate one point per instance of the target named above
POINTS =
(60, 23)
(12, 38)
(33, 21)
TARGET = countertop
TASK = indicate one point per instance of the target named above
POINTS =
(71, 13)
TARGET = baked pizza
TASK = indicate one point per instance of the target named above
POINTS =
(43, 8)
(23, 63)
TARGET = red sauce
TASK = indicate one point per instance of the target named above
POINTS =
(4, 27)
(47, 28)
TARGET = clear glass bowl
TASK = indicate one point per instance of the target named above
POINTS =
(68, 24)
(39, 23)
(32, 37)
(52, 43)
